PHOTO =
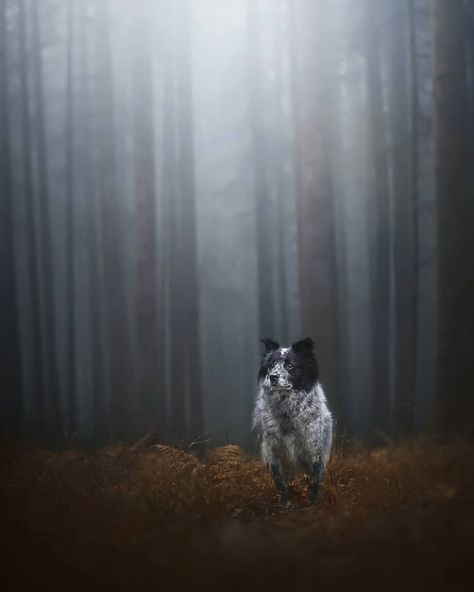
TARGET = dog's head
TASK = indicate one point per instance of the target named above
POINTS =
(286, 369)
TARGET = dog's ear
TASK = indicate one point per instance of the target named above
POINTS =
(304, 346)
(269, 344)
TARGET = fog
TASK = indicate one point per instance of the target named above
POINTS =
(180, 179)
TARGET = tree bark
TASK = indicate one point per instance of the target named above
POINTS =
(53, 419)
(70, 216)
(150, 368)
(117, 338)
(380, 240)
(455, 368)
(38, 395)
(11, 405)
(183, 337)
(264, 235)
(404, 180)
(314, 202)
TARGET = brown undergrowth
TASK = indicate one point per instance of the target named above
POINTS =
(158, 518)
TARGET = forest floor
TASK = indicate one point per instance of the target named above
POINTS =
(394, 518)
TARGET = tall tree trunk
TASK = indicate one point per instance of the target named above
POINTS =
(11, 408)
(265, 237)
(315, 214)
(470, 76)
(39, 397)
(185, 365)
(117, 338)
(455, 368)
(53, 415)
(176, 330)
(380, 244)
(188, 238)
(278, 154)
(70, 215)
(150, 370)
(408, 359)
(403, 149)
(93, 220)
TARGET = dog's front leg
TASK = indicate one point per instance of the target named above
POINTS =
(275, 466)
(315, 472)
(279, 479)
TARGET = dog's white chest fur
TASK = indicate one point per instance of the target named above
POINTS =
(294, 426)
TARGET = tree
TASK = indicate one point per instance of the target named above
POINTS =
(264, 231)
(455, 370)
(150, 367)
(53, 419)
(314, 201)
(117, 337)
(380, 240)
(99, 422)
(70, 195)
(38, 396)
(404, 156)
(11, 408)
(185, 364)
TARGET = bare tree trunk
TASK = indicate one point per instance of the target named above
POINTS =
(455, 368)
(176, 332)
(265, 237)
(11, 405)
(150, 369)
(50, 360)
(315, 214)
(118, 344)
(86, 117)
(188, 239)
(405, 397)
(380, 246)
(70, 215)
(35, 312)
(185, 366)
(403, 149)
(281, 181)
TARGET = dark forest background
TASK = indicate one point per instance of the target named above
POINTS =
(180, 178)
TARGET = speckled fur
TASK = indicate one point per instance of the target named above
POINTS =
(292, 416)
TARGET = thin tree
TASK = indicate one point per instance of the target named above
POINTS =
(150, 370)
(408, 348)
(117, 337)
(264, 233)
(455, 368)
(87, 162)
(315, 207)
(188, 237)
(11, 407)
(50, 360)
(70, 215)
(37, 375)
(183, 337)
(403, 164)
(380, 240)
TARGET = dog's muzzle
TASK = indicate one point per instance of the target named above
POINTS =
(273, 379)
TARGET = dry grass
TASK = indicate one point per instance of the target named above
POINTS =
(159, 518)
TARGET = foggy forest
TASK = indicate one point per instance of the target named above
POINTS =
(180, 179)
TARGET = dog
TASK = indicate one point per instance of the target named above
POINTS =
(292, 416)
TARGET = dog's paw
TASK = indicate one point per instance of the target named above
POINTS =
(288, 507)
(314, 495)
(285, 504)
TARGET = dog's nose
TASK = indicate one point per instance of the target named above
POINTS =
(273, 379)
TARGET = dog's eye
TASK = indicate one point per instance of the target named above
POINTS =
(289, 365)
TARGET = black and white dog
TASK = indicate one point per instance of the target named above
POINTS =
(291, 414)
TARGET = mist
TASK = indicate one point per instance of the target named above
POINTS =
(180, 179)
(219, 213)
